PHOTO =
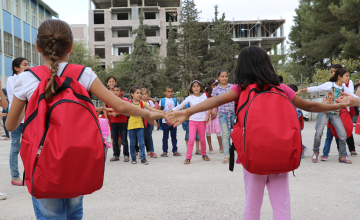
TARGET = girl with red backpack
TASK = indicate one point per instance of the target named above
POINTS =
(334, 89)
(254, 67)
(51, 199)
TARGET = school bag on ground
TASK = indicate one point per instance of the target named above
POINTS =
(347, 122)
(62, 146)
(163, 107)
(266, 132)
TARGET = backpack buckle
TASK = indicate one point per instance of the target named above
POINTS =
(235, 120)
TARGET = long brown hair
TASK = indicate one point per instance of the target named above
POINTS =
(54, 38)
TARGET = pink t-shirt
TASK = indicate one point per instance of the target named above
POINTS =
(288, 91)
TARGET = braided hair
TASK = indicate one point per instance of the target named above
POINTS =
(54, 38)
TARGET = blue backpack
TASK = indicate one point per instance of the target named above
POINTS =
(163, 107)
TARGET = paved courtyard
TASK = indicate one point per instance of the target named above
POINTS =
(168, 189)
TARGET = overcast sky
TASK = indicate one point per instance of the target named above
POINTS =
(76, 11)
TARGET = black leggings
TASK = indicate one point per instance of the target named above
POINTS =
(350, 142)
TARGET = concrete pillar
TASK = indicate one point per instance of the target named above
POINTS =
(112, 3)
(128, 1)
(143, 3)
(89, 5)
(259, 44)
(282, 30)
(234, 32)
(135, 13)
(3, 84)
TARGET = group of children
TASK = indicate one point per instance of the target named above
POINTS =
(54, 41)
(198, 126)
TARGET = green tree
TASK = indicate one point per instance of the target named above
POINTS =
(222, 48)
(321, 32)
(171, 74)
(81, 55)
(193, 41)
(143, 66)
(349, 11)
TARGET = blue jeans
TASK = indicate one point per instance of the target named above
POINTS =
(121, 128)
(6, 131)
(149, 131)
(328, 141)
(139, 134)
(225, 130)
(14, 152)
(166, 129)
(187, 132)
(58, 208)
(335, 120)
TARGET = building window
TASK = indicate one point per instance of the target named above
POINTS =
(100, 52)
(27, 53)
(16, 8)
(41, 18)
(25, 12)
(6, 5)
(33, 16)
(8, 44)
(17, 47)
(35, 55)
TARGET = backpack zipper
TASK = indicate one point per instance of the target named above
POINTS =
(47, 122)
(245, 118)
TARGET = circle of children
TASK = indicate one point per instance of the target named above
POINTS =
(223, 107)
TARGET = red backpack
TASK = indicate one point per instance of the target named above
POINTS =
(266, 132)
(62, 147)
(347, 122)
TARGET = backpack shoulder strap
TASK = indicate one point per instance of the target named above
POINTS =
(141, 104)
(73, 71)
(40, 72)
(175, 101)
(162, 103)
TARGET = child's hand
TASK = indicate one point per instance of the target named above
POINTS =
(348, 99)
(208, 120)
(176, 118)
(153, 116)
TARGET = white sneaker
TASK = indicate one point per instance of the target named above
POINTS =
(2, 196)
(304, 152)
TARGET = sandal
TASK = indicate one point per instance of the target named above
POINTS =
(164, 154)
(187, 161)
(354, 154)
(226, 160)
(206, 158)
(198, 152)
(315, 157)
(114, 158)
(345, 160)
(176, 154)
(6, 138)
(212, 152)
(221, 151)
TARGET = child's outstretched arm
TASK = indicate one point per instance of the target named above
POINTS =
(3, 101)
(16, 114)
(317, 107)
(178, 117)
(119, 105)
(152, 109)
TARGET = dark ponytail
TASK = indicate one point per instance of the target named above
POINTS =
(340, 72)
(54, 38)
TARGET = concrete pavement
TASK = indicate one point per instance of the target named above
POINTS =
(168, 189)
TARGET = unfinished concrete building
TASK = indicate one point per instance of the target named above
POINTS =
(112, 21)
(264, 33)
